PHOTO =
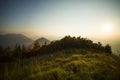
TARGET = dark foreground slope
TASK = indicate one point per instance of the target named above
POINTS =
(78, 65)
(70, 58)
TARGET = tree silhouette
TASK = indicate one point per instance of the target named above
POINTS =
(23, 49)
(108, 49)
(69, 42)
(65, 43)
(36, 46)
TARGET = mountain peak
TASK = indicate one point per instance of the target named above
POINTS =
(43, 39)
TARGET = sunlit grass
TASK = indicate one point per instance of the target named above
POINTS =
(73, 66)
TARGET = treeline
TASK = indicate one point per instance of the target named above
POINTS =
(8, 54)
(67, 42)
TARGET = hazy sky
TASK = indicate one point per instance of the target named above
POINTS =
(56, 18)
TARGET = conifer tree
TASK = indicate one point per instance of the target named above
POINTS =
(108, 49)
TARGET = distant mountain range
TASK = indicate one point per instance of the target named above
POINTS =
(12, 39)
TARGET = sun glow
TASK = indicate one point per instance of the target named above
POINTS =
(107, 28)
(107, 31)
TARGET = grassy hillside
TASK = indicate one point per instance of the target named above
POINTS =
(63, 65)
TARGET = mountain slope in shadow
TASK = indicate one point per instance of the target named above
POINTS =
(12, 39)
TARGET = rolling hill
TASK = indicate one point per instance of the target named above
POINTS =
(71, 58)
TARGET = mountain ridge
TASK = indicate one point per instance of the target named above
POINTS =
(12, 39)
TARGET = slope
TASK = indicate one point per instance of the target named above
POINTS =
(63, 65)
(12, 39)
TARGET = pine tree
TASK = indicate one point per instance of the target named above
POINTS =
(108, 49)
(23, 49)
(36, 46)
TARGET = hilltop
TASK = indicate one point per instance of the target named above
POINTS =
(65, 43)
(71, 58)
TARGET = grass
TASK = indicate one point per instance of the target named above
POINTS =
(63, 66)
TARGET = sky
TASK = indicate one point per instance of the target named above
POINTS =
(53, 19)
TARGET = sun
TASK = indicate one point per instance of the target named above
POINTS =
(107, 28)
